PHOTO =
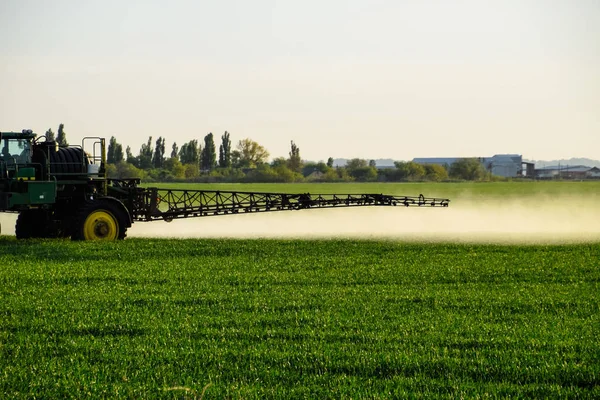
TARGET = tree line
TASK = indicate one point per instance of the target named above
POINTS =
(199, 161)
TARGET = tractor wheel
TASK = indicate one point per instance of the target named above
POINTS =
(99, 220)
(31, 224)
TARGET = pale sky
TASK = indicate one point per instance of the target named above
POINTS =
(343, 78)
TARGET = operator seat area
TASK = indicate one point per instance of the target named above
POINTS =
(13, 154)
(5, 158)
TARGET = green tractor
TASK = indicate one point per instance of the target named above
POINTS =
(59, 191)
(65, 192)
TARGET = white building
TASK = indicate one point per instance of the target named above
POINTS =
(568, 172)
(593, 173)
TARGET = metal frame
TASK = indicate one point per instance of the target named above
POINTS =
(170, 204)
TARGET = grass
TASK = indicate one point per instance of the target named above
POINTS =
(289, 319)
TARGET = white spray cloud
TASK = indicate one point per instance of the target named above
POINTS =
(532, 220)
(545, 220)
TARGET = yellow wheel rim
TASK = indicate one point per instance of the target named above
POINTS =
(100, 225)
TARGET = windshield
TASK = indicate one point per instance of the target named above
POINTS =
(15, 150)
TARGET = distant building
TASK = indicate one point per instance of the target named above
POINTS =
(593, 173)
(506, 165)
(568, 172)
(315, 176)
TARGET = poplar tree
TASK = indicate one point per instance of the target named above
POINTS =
(189, 152)
(50, 135)
(174, 150)
(225, 151)
(114, 154)
(208, 159)
(294, 162)
(158, 158)
(146, 152)
(61, 137)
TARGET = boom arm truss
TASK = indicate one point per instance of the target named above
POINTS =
(169, 204)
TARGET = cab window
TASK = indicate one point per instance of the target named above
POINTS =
(15, 149)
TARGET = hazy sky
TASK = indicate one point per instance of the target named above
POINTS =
(343, 78)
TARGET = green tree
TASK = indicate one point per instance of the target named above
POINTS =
(409, 171)
(364, 174)
(145, 156)
(184, 154)
(189, 153)
(225, 151)
(294, 162)
(191, 171)
(372, 163)
(236, 159)
(208, 158)
(174, 166)
(119, 153)
(158, 158)
(435, 172)
(124, 170)
(111, 171)
(61, 136)
(278, 161)
(130, 158)
(468, 169)
(262, 173)
(340, 174)
(114, 154)
(356, 163)
(50, 135)
(285, 174)
(310, 167)
(330, 162)
(174, 150)
(250, 154)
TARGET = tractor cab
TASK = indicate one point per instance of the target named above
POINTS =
(15, 155)
(19, 187)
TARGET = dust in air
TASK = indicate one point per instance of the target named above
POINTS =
(545, 220)
(533, 220)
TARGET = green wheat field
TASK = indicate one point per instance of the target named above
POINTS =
(335, 318)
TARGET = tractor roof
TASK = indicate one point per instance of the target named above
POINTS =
(24, 134)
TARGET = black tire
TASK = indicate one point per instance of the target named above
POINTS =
(69, 167)
(63, 166)
(100, 220)
(76, 157)
(68, 160)
(32, 224)
(58, 161)
(52, 163)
